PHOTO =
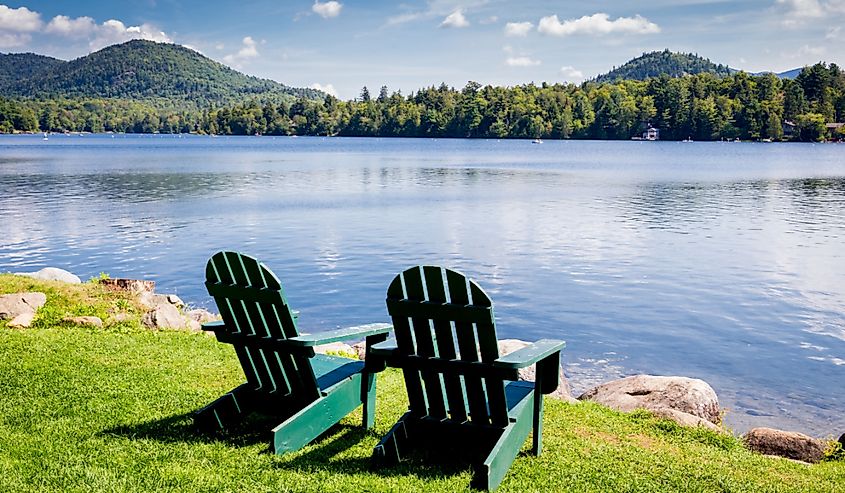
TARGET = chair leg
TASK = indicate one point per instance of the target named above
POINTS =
(389, 450)
(491, 473)
(537, 441)
(368, 397)
(317, 417)
(226, 410)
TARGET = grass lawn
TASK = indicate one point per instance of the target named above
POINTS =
(109, 410)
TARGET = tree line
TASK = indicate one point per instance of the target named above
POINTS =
(701, 107)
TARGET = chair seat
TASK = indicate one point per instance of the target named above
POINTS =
(515, 392)
(331, 370)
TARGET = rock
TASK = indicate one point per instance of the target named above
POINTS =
(135, 286)
(194, 326)
(164, 316)
(335, 347)
(789, 444)
(175, 300)
(685, 419)
(87, 321)
(687, 395)
(22, 321)
(563, 391)
(12, 305)
(202, 316)
(53, 274)
(360, 348)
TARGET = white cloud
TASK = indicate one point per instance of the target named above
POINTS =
(522, 61)
(328, 88)
(571, 73)
(455, 19)
(20, 20)
(12, 40)
(520, 29)
(73, 28)
(803, 8)
(327, 9)
(114, 31)
(249, 50)
(596, 24)
(437, 8)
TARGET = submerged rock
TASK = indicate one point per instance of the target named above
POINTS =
(13, 305)
(529, 374)
(53, 274)
(656, 393)
(789, 444)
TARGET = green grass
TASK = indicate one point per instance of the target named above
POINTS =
(109, 410)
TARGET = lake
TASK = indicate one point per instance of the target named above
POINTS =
(721, 261)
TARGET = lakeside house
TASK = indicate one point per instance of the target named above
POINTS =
(651, 133)
(835, 130)
(790, 129)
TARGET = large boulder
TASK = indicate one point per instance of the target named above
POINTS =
(655, 393)
(22, 321)
(563, 391)
(53, 274)
(13, 305)
(164, 316)
(789, 444)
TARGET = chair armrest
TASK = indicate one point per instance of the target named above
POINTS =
(210, 326)
(530, 354)
(384, 349)
(361, 331)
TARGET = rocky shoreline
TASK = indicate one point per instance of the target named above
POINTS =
(686, 401)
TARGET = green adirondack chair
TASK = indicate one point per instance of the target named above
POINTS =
(308, 392)
(463, 397)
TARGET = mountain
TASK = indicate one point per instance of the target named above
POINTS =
(166, 74)
(658, 63)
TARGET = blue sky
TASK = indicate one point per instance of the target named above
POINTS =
(343, 45)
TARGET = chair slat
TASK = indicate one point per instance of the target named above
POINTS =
(445, 344)
(425, 346)
(465, 335)
(405, 344)
(488, 346)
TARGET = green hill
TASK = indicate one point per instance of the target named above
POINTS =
(658, 63)
(166, 74)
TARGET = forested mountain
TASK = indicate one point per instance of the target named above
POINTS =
(17, 66)
(664, 62)
(165, 75)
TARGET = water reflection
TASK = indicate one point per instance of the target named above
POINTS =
(668, 259)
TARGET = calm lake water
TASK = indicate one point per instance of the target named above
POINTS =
(721, 261)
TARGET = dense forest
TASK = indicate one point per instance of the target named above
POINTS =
(703, 107)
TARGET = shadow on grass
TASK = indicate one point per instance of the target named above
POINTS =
(180, 428)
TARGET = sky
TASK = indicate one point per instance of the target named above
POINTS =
(342, 45)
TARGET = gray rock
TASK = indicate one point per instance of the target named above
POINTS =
(152, 300)
(687, 395)
(164, 316)
(335, 347)
(685, 419)
(201, 315)
(563, 391)
(118, 318)
(135, 286)
(22, 321)
(87, 321)
(53, 274)
(175, 300)
(360, 348)
(789, 444)
(12, 305)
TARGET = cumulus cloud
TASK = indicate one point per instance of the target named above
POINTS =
(803, 8)
(114, 31)
(596, 24)
(73, 28)
(455, 19)
(327, 9)
(571, 73)
(248, 51)
(328, 88)
(19, 20)
(521, 61)
(520, 29)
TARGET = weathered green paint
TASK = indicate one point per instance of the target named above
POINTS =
(447, 348)
(284, 377)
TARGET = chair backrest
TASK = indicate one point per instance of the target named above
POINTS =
(256, 315)
(446, 338)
